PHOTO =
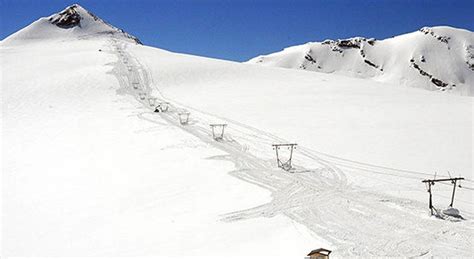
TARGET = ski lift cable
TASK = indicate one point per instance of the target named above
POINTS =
(363, 170)
(462, 186)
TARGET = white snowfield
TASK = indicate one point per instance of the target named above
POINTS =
(437, 58)
(90, 170)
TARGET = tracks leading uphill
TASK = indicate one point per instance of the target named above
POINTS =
(356, 221)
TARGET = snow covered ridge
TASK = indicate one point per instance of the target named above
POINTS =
(72, 22)
(436, 58)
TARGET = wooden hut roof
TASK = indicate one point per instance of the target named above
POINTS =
(320, 251)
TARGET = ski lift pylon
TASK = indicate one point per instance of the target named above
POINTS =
(218, 131)
(285, 164)
(431, 182)
(162, 107)
(183, 118)
(152, 101)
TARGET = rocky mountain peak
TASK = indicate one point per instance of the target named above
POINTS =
(67, 18)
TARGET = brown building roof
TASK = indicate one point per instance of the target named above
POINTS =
(320, 251)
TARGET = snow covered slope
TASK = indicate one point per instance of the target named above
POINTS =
(90, 170)
(74, 22)
(437, 58)
(86, 174)
(86, 171)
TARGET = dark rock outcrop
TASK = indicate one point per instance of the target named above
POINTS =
(349, 44)
(443, 86)
(310, 58)
(352, 43)
(429, 31)
(68, 18)
(470, 57)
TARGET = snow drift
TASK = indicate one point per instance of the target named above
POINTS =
(437, 58)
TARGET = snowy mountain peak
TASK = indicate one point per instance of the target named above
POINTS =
(72, 22)
(434, 58)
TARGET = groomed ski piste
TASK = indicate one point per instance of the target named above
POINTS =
(295, 194)
(91, 170)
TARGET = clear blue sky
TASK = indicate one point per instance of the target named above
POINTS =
(241, 29)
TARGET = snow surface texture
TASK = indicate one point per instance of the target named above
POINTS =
(90, 169)
(437, 58)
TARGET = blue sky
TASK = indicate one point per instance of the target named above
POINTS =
(241, 29)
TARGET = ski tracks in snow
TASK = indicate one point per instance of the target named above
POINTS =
(356, 221)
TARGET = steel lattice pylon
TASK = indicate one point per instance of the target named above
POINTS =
(216, 133)
(431, 182)
(162, 107)
(284, 164)
(152, 101)
(183, 118)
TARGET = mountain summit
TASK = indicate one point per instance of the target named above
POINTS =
(434, 58)
(72, 22)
